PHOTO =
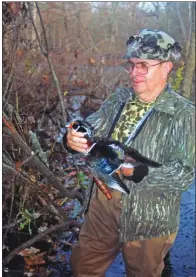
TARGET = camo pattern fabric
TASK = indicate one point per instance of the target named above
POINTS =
(153, 44)
(168, 137)
(132, 113)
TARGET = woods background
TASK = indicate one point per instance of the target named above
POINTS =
(61, 60)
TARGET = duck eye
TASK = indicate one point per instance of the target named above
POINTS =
(75, 125)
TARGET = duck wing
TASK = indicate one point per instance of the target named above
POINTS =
(128, 154)
(112, 181)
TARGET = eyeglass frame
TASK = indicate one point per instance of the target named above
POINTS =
(147, 67)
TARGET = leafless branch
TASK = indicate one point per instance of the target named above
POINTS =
(11, 206)
(11, 69)
(45, 53)
(35, 161)
(25, 179)
(64, 225)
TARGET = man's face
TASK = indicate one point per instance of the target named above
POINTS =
(155, 77)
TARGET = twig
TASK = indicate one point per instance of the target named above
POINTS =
(24, 81)
(37, 148)
(12, 67)
(35, 161)
(45, 53)
(65, 225)
(50, 206)
(11, 207)
(67, 243)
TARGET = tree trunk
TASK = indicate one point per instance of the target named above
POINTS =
(189, 33)
(168, 16)
(34, 14)
(66, 32)
(180, 18)
(190, 64)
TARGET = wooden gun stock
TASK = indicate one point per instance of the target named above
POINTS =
(103, 187)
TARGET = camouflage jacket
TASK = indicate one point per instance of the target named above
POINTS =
(153, 207)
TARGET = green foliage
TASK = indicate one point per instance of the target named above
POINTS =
(26, 219)
(176, 81)
(82, 180)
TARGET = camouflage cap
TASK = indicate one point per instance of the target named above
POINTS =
(154, 45)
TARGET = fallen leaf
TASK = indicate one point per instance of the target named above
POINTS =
(14, 7)
(19, 52)
(29, 251)
(72, 173)
(31, 262)
(33, 178)
(44, 187)
(18, 166)
(92, 61)
(35, 259)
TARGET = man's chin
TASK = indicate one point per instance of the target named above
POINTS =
(139, 87)
(138, 90)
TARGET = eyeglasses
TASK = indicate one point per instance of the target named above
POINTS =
(141, 67)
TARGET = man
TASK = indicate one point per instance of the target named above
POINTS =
(160, 125)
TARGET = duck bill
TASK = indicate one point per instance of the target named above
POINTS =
(70, 125)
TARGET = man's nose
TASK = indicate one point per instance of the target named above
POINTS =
(133, 72)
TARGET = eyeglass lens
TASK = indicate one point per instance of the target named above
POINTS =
(141, 67)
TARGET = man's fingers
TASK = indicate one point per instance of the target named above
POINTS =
(76, 134)
(80, 147)
(76, 141)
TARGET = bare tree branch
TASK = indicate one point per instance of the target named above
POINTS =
(11, 69)
(35, 161)
(48, 203)
(64, 225)
(45, 53)
(11, 206)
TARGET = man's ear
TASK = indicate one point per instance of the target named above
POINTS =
(167, 68)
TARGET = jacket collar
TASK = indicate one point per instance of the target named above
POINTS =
(165, 102)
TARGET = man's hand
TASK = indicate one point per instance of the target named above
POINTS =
(76, 141)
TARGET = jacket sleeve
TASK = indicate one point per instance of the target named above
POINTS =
(177, 173)
(97, 121)
(99, 118)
